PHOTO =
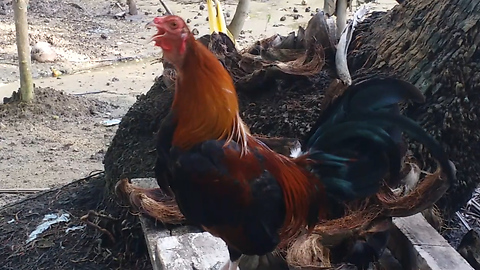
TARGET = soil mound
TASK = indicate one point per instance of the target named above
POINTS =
(49, 103)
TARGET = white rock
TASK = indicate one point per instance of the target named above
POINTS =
(191, 251)
(43, 52)
(182, 247)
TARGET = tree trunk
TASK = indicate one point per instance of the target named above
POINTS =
(434, 45)
(132, 7)
(341, 12)
(24, 60)
(329, 6)
(241, 13)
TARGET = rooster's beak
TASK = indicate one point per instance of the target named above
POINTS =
(157, 24)
(150, 25)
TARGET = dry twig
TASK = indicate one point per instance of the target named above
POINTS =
(91, 213)
(21, 190)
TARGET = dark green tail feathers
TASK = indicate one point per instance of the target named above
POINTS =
(359, 138)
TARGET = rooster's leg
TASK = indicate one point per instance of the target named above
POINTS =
(234, 260)
(365, 252)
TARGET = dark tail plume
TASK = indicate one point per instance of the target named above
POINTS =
(358, 142)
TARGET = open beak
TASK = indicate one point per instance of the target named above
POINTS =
(150, 25)
(156, 22)
(161, 31)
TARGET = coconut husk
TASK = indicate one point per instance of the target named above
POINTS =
(308, 251)
(427, 192)
(252, 72)
(367, 216)
(151, 202)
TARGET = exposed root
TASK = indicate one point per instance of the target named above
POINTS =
(91, 213)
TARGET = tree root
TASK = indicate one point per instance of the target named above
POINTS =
(91, 213)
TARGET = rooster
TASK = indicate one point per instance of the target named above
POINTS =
(235, 187)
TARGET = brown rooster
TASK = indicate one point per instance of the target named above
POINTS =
(235, 187)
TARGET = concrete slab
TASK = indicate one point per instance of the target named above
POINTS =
(200, 251)
(180, 247)
(419, 246)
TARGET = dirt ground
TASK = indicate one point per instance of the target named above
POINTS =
(86, 34)
(70, 244)
(39, 146)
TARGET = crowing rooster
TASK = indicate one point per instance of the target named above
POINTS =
(237, 188)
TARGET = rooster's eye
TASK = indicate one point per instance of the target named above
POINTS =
(174, 24)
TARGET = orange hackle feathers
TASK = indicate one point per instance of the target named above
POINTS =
(206, 108)
(301, 190)
(203, 80)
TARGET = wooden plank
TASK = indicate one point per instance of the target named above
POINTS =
(418, 246)
(151, 231)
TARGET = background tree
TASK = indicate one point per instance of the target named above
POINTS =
(434, 45)
(24, 60)
(132, 7)
(241, 13)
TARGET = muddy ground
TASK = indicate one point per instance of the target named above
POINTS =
(55, 137)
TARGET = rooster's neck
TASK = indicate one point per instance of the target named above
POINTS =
(205, 103)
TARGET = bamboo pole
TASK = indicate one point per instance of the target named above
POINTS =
(24, 60)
